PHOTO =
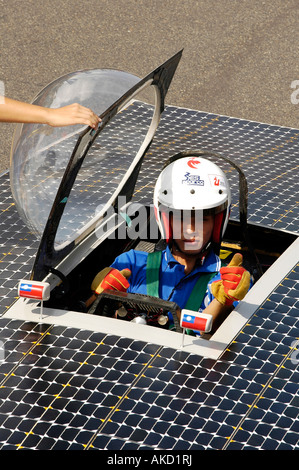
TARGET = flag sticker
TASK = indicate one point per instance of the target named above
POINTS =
(196, 321)
(34, 290)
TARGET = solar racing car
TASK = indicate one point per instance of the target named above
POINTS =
(80, 192)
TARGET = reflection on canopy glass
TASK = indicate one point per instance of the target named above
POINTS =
(103, 169)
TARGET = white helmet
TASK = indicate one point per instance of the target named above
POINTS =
(192, 183)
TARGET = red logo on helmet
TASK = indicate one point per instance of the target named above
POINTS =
(193, 162)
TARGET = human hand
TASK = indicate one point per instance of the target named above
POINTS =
(112, 279)
(71, 114)
(234, 283)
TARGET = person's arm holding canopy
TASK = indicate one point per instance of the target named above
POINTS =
(19, 112)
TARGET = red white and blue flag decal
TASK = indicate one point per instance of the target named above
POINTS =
(34, 290)
(196, 321)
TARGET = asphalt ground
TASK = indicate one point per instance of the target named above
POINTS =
(240, 56)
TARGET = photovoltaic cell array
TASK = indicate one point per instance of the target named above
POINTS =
(70, 388)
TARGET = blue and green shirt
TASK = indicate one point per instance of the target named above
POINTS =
(174, 284)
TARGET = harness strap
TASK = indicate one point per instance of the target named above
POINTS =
(152, 273)
(198, 292)
(152, 282)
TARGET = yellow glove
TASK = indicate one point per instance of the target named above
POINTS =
(109, 279)
(234, 283)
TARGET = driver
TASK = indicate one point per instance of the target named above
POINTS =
(192, 203)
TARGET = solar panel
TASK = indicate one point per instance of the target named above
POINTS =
(69, 387)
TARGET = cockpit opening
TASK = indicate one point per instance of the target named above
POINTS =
(74, 290)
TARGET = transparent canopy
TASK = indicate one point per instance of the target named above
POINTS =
(64, 180)
(40, 153)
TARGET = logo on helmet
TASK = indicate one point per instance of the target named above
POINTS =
(193, 163)
(193, 179)
(217, 180)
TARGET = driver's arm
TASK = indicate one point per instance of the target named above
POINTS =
(219, 313)
(233, 285)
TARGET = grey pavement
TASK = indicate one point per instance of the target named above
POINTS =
(240, 56)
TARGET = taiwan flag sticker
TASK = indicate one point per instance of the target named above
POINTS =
(196, 321)
(34, 290)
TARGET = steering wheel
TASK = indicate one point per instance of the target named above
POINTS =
(109, 301)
